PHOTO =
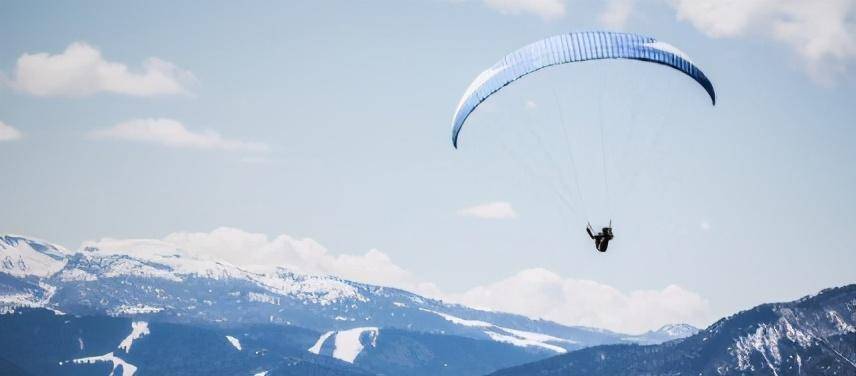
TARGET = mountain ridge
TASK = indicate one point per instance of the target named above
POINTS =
(814, 335)
(160, 282)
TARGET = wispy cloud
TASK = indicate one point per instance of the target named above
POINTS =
(616, 13)
(9, 133)
(172, 133)
(491, 210)
(80, 70)
(546, 9)
(821, 33)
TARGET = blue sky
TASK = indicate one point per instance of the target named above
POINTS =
(330, 121)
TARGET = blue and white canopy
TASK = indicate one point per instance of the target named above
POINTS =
(570, 48)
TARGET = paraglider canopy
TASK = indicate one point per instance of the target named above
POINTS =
(569, 48)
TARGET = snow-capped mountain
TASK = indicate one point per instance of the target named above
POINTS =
(24, 257)
(158, 282)
(815, 335)
(665, 333)
(677, 330)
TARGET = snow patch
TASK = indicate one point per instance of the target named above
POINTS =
(262, 298)
(840, 324)
(138, 330)
(460, 321)
(235, 342)
(9, 302)
(139, 309)
(128, 369)
(520, 338)
(76, 275)
(316, 348)
(349, 345)
(765, 340)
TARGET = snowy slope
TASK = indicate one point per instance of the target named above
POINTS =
(124, 368)
(23, 257)
(811, 336)
(119, 365)
(346, 345)
(138, 330)
(515, 337)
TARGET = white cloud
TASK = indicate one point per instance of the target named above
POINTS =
(704, 225)
(541, 293)
(81, 70)
(9, 133)
(546, 9)
(617, 13)
(172, 133)
(492, 210)
(822, 33)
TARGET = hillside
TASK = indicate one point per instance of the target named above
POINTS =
(815, 335)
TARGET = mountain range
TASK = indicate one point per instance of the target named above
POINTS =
(156, 309)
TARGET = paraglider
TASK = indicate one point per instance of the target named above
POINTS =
(572, 48)
(601, 240)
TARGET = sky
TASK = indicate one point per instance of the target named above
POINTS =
(316, 134)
